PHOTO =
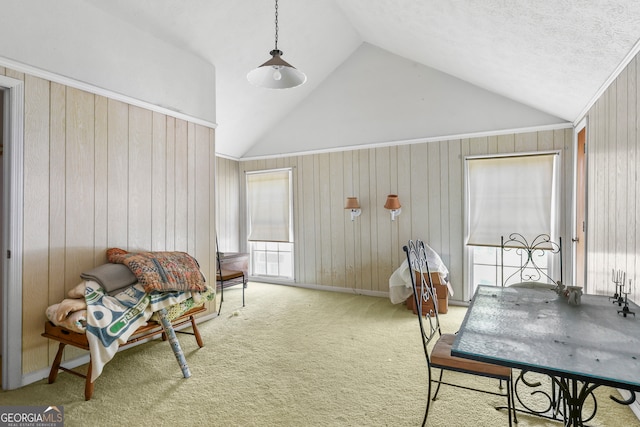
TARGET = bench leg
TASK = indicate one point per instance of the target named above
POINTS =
(196, 332)
(53, 374)
(88, 385)
(55, 368)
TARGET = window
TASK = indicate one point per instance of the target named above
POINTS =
(514, 193)
(272, 259)
(489, 269)
(270, 225)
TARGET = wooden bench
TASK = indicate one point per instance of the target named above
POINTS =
(151, 329)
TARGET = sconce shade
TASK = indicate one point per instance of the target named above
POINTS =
(352, 203)
(392, 202)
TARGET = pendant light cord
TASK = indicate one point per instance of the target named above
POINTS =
(276, 25)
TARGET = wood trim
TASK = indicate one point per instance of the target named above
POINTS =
(69, 82)
(13, 232)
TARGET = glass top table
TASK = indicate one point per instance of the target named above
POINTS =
(537, 330)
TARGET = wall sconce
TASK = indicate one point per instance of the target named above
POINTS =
(393, 204)
(352, 203)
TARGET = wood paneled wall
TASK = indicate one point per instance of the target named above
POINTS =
(228, 204)
(100, 173)
(613, 202)
(332, 250)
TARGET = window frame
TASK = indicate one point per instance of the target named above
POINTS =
(555, 219)
(250, 244)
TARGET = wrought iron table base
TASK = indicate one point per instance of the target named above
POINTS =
(565, 401)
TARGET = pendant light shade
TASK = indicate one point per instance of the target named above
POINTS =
(276, 73)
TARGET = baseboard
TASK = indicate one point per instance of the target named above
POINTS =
(635, 406)
(33, 377)
(321, 287)
(458, 303)
(382, 294)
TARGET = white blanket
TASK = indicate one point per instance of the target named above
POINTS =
(111, 320)
(400, 281)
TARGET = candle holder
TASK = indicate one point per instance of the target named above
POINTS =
(625, 309)
(618, 277)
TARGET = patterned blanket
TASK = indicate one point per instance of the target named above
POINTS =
(111, 320)
(161, 271)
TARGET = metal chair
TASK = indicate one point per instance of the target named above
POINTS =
(226, 278)
(530, 273)
(439, 357)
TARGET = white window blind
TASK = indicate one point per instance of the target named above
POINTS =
(269, 206)
(510, 194)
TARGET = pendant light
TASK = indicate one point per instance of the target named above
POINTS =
(276, 73)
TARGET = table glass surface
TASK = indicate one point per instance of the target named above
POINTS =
(537, 330)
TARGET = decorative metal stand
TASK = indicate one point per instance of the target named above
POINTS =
(618, 278)
(625, 308)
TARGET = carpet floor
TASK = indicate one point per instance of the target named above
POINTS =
(291, 357)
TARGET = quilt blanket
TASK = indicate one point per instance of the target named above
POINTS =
(161, 271)
(111, 320)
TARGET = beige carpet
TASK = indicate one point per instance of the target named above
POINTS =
(291, 357)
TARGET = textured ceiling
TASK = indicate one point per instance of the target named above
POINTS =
(552, 55)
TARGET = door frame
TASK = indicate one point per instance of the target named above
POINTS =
(578, 277)
(12, 222)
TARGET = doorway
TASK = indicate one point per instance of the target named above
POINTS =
(2, 126)
(11, 244)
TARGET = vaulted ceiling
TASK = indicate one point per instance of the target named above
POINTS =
(386, 70)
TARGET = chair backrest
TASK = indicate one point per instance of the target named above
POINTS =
(530, 253)
(219, 265)
(424, 293)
